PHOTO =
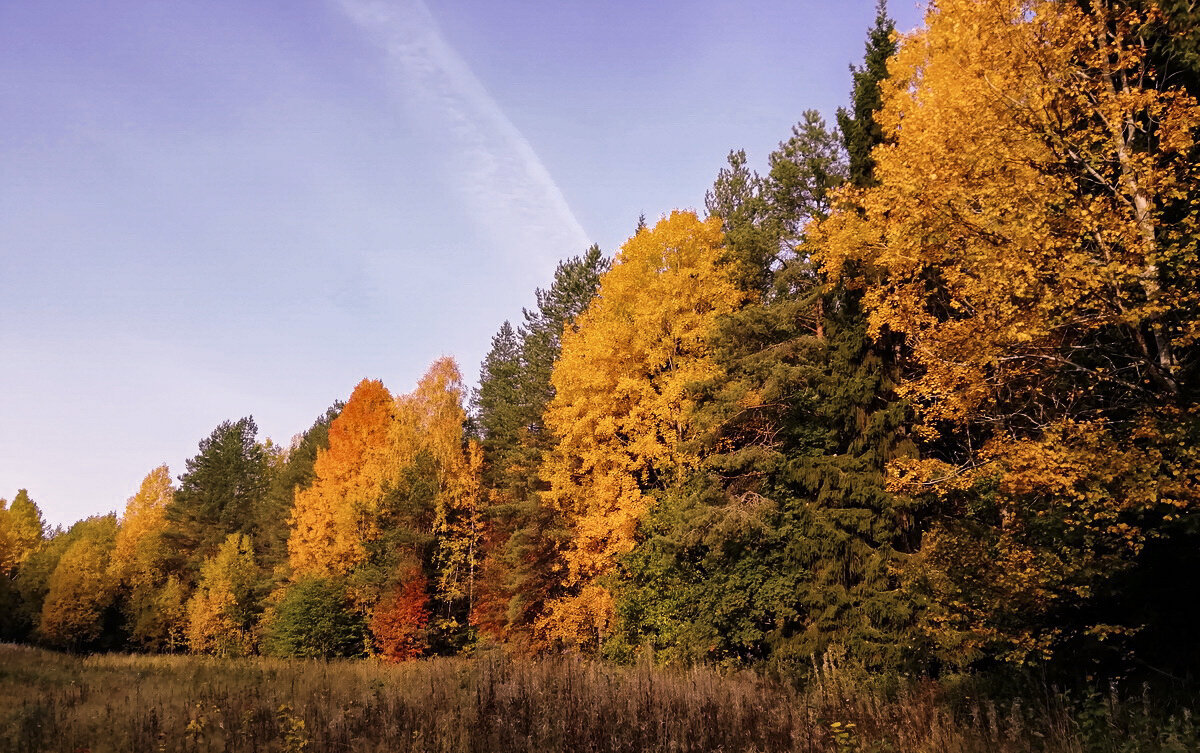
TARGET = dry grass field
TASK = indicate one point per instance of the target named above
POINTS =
(493, 703)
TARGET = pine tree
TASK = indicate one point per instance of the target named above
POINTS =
(218, 495)
(860, 129)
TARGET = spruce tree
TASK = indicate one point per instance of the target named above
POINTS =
(786, 544)
(514, 390)
(218, 495)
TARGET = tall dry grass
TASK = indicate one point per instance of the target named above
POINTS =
(494, 703)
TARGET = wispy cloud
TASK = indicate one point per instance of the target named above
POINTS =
(505, 185)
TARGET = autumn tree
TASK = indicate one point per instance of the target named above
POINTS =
(782, 542)
(79, 590)
(1034, 232)
(137, 567)
(621, 405)
(26, 529)
(221, 612)
(8, 549)
(399, 622)
(295, 471)
(441, 484)
(334, 517)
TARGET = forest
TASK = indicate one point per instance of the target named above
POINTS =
(920, 398)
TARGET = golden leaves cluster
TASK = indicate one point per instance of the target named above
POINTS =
(621, 407)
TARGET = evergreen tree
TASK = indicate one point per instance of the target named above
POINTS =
(860, 129)
(498, 402)
(784, 543)
(518, 571)
(218, 495)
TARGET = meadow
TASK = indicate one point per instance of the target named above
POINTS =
(493, 702)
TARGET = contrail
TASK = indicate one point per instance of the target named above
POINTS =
(499, 173)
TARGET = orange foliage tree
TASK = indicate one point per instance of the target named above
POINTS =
(334, 517)
(399, 622)
(621, 406)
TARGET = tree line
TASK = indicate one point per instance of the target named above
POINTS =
(923, 394)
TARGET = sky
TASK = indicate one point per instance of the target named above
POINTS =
(218, 208)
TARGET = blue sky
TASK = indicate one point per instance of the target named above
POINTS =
(211, 209)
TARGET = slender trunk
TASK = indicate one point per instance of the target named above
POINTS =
(1143, 209)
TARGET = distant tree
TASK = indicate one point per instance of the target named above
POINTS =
(137, 567)
(314, 619)
(519, 568)
(26, 529)
(295, 471)
(335, 516)
(499, 402)
(168, 622)
(8, 549)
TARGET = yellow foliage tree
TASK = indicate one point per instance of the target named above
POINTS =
(219, 619)
(80, 590)
(8, 549)
(1032, 238)
(26, 529)
(431, 420)
(140, 554)
(621, 406)
(334, 517)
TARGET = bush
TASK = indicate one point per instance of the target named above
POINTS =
(314, 619)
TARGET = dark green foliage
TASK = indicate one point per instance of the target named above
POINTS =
(739, 199)
(858, 126)
(786, 543)
(514, 390)
(315, 619)
(220, 494)
(500, 409)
